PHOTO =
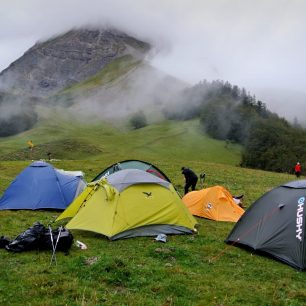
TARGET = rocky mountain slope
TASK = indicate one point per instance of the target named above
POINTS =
(68, 59)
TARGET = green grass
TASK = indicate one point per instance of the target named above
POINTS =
(111, 73)
(75, 140)
(187, 270)
(108, 74)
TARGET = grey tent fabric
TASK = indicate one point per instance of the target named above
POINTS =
(296, 184)
(275, 224)
(152, 230)
(132, 164)
(125, 178)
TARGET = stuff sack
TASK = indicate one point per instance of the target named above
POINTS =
(28, 240)
(39, 237)
(63, 237)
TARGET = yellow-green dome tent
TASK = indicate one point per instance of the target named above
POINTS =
(130, 203)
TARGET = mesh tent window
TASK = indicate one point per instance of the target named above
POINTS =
(132, 164)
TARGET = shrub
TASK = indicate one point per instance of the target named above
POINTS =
(138, 120)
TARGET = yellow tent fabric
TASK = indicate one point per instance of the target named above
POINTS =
(101, 208)
(84, 197)
(214, 203)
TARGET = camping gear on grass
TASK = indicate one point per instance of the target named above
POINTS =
(28, 240)
(41, 186)
(215, 203)
(61, 236)
(39, 237)
(54, 243)
(239, 200)
(129, 203)
(275, 224)
(132, 164)
(161, 238)
(81, 245)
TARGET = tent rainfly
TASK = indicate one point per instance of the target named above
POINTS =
(215, 203)
(41, 186)
(275, 224)
(132, 164)
(130, 203)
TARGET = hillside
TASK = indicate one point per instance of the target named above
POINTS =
(122, 88)
(68, 139)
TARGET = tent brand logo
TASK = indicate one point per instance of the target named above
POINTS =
(148, 194)
(299, 218)
(208, 207)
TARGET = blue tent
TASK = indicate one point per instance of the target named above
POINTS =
(40, 186)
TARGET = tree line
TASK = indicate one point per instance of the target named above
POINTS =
(230, 113)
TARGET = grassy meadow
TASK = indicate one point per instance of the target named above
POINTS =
(187, 270)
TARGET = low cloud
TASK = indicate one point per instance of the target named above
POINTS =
(259, 45)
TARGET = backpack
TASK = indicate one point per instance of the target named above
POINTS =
(62, 236)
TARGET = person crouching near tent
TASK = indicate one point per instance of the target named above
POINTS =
(191, 179)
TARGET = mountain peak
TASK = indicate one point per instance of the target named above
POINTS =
(61, 61)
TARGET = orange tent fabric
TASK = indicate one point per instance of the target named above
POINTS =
(214, 203)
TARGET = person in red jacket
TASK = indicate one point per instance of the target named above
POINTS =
(298, 169)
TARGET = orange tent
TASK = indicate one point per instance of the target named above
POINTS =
(214, 203)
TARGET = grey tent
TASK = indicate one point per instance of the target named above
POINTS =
(275, 224)
(125, 178)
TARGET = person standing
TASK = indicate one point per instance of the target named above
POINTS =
(297, 170)
(30, 145)
(191, 179)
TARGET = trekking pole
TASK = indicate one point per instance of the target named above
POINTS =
(52, 242)
(58, 236)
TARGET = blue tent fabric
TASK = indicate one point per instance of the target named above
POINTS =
(40, 186)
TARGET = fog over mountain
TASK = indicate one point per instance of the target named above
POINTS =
(259, 45)
(91, 74)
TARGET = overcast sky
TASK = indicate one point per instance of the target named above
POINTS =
(260, 45)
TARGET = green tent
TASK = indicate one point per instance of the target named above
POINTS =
(132, 164)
